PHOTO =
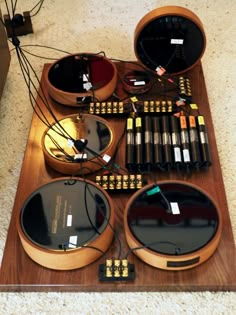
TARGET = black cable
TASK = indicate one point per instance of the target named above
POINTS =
(45, 101)
(40, 3)
(108, 222)
(25, 71)
(66, 246)
(14, 7)
(41, 57)
(86, 208)
(45, 46)
(148, 245)
(69, 157)
(8, 11)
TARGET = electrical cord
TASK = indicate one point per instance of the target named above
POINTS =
(148, 245)
(108, 222)
(40, 3)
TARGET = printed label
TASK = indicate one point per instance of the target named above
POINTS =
(186, 155)
(177, 153)
(69, 220)
(73, 241)
(139, 83)
(176, 41)
(175, 208)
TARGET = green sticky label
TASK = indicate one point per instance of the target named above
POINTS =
(153, 191)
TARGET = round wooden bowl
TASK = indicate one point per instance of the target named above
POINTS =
(96, 130)
(66, 224)
(171, 37)
(180, 238)
(79, 78)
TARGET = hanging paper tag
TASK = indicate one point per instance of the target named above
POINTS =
(174, 207)
(160, 70)
(176, 41)
(134, 99)
(87, 86)
(106, 158)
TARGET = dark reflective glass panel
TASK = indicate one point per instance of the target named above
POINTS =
(65, 214)
(70, 74)
(189, 226)
(172, 42)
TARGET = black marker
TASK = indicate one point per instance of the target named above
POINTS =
(148, 142)
(206, 157)
(176, 144)
(185, 140)
(129, 157)
(138, 142)
(166, 142)
(157, 143)
(194, 143)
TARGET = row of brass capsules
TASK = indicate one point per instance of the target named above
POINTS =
(120, 182)
(121, 108)
(184, 87)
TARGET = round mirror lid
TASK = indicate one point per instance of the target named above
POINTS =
(171, 37)
(65, 214)
(172, 218)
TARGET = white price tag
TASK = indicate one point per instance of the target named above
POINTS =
(139, 83)
(73, 241)
(87, 86)
(174, 207)
(176, 41)
(69, 220)
(106, 158)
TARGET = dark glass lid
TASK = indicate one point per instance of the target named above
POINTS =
(172, 218)
(172, 41)
(65, 214)
(71, 73)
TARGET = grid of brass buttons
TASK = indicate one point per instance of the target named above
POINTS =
(120, 108)
(120, 182)
(116, 270)
(184, 87)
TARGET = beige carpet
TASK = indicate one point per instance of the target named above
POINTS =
(92, 26)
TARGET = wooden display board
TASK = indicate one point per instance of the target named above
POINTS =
(20, 273)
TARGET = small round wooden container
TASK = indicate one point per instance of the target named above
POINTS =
(66, 224)
(62, 157)
(171, 37)
(176, 237)
(77, 78)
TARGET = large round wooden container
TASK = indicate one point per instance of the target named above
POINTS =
(177, 237)
(100, 139)
(77, 78)
(171, 37)
(66, 224)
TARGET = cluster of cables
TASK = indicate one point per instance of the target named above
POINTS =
(38, 96)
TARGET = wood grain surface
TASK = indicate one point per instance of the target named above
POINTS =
(20, 273)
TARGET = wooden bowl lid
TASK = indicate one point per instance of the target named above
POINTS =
(79, 78)
(171, 37)
(66, 223)
(174, 225)
(62, 157)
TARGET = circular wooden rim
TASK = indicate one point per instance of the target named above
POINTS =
(159, 260)
(166, 11)
(72, 258)
(70, 99)
(71, 168)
